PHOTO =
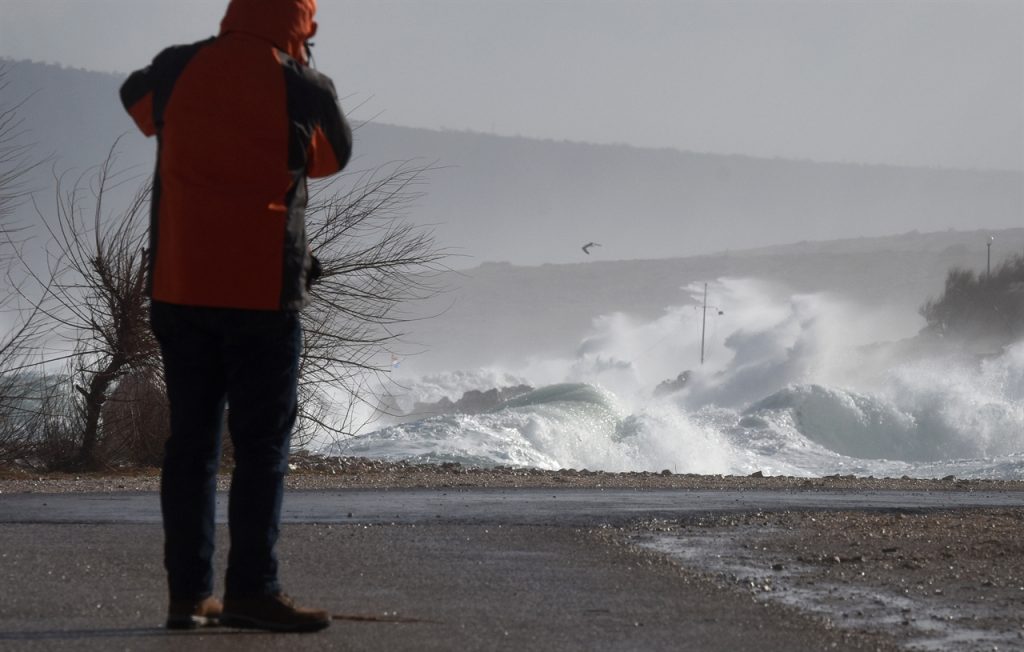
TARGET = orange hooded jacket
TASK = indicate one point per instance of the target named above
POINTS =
(240, 121)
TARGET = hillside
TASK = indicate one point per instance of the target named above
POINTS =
(529, 201)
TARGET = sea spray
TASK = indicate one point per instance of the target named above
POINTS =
(793, 384)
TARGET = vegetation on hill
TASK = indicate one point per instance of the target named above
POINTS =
(988, 307)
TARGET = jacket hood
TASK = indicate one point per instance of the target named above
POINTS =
(288, 24)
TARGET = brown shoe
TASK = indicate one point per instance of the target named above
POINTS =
(276, 613)
(190, 614)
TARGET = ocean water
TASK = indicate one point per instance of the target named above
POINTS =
(801, 385)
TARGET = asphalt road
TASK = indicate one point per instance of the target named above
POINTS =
(419, 570)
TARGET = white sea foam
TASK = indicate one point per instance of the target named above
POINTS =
(788, 388)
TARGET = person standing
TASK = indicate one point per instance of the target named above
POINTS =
(241, 121)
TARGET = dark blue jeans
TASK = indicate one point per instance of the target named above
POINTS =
(249, 361)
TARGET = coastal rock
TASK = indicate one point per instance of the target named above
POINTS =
(472, 402)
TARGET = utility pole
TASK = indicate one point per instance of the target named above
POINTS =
(988, 260)
(703, 323)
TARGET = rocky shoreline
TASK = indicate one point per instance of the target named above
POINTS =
(314, 472)
(940, 580)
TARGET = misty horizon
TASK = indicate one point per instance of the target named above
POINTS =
(357, 123)
(937, 85)
(532, 201)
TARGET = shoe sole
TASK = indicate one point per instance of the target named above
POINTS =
(245, 622)
(191, 622)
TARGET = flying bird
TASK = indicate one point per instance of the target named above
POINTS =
(586, 247)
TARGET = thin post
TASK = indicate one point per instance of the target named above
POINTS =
(988, 258)
(703, 323)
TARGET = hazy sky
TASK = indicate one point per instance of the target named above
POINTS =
(902, 82)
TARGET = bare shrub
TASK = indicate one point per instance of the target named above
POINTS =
(19, 325)
(18, 416)
(375, 264)
(56, 428)
(94, 293)
(95, 301)
(136, 420)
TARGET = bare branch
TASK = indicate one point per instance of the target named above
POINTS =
(95, 296)
(375, 263)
